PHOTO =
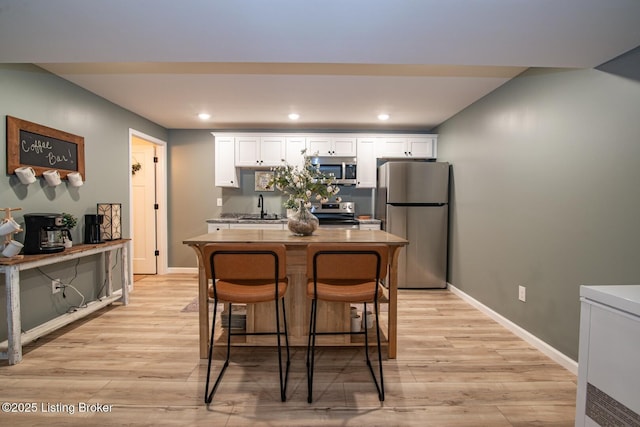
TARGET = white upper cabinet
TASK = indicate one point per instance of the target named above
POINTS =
(422, 147)
(366, 163)
(265, 150)
(259, 151)
(332, 145)
(226, 174)
(412, 147)
(294, 146)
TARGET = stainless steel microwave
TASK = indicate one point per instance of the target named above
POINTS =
(343, 169)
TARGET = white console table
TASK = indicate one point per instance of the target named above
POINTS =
(11, 268)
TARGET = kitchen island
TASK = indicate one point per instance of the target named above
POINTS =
(334, 316)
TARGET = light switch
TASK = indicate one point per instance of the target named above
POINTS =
(219, 201)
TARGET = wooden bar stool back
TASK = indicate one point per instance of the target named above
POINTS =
(338, 274)
(247, 273)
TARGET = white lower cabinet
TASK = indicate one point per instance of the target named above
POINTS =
(252, 226)
(369, 226)
(213, 227)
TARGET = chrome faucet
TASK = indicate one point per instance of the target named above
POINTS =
(261, 205)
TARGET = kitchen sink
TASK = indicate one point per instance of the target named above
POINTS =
(256, 217)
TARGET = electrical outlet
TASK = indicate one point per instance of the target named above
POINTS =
(219, 201)
(56, 286)
(522, 293)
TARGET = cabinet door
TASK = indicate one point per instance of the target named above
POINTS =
(321, 146)
(344, 146)
(247, 151)
(393, 147)
(422, 148)
(369, 226)
(225, 173)
(213, 227)
(366, 172)
(271, 151)
(332, 145)
(254, 226)
(255, 151)
(293, 150)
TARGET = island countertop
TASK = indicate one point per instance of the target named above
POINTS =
(248, 219)
(327, 235)
(297, 304)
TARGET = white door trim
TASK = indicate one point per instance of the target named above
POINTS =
(161, 183)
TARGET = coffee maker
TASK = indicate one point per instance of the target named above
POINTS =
(92, 233)
(44, 233)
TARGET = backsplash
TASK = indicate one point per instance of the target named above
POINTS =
(244, 199)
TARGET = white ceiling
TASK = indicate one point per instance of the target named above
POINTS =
(338, 63)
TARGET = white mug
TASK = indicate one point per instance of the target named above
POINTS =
(75, 179)
(367, 320)
(26, 175)
(52, 176)
(9, 226)
(355, 324)
(13, 248)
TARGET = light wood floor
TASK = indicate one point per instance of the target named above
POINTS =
(455, 367)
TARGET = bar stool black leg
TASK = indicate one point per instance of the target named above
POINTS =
(283, 381)
(381, 388)
(209, 394)
(311, 349)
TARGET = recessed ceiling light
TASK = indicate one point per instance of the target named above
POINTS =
(294, 116)
(383, 117)
(204, 116)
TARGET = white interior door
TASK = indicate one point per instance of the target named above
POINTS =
(143, 188)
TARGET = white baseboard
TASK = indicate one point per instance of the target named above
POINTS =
(558, 357)
(182, 270)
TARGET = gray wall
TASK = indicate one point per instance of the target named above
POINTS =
(546, 176)
(32, 94)
(192, 193)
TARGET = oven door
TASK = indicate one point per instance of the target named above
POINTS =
(339, 225)
(337, 221)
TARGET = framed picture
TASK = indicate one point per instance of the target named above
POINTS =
(262, 179)
(111, 227)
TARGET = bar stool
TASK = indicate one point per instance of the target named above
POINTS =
(246, 274)
(336, 274)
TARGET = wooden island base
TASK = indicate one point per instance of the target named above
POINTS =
(331, 316)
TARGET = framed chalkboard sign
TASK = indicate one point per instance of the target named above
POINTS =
(43, 148)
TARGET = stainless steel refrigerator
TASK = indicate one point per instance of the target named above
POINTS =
(412, 200)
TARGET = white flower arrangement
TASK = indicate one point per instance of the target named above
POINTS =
(304, 184)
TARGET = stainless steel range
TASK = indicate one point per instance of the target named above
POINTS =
(336, 215)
